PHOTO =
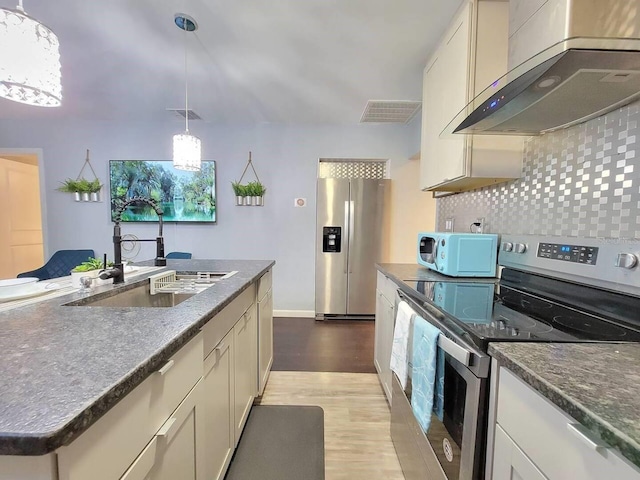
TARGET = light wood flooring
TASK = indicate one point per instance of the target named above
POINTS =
(356, 420)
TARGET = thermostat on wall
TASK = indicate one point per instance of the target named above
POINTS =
(300, 202)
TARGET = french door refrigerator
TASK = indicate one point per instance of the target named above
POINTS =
(351, 237)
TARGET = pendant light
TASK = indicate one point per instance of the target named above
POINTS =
(187, 148)
(29, 60)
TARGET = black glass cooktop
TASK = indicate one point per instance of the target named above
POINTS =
(524, 307)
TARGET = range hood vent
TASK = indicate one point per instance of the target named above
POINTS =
(569, 88)
(583, 61)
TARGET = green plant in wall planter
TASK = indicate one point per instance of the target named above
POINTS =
(83, 189)
(256, 192)
(240, 192)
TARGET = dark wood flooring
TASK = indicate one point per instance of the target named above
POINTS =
(305, 344)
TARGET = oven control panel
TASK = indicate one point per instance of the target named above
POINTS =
(608, 263)
(568, 253)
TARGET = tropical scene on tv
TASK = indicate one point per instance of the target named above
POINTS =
(184, 196)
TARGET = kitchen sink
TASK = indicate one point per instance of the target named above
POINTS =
(139, 296)
(166, 289)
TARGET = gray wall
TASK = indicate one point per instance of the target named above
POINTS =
(583, 181)
(284, 157)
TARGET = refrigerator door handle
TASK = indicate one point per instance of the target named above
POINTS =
(345, 235)
(352, 221)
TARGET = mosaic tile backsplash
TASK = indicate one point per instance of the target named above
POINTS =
(583, 182)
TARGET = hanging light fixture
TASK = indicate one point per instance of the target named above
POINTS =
(29, 60)
(187, 148)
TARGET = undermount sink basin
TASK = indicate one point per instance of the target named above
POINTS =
(139, 296)
(169, 289)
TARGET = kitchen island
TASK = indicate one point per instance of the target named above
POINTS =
(64, 367)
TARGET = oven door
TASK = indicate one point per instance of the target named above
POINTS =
(453, 448)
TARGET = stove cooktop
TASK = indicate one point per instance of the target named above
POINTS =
(502, 312)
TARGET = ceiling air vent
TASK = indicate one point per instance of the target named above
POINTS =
(180, 113)
(387, 111)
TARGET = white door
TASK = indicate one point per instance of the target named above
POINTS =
(21, 244)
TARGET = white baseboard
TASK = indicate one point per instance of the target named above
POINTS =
(295, 313)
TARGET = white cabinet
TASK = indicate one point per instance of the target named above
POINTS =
(176, 451)
(219, 408)
(510, 462)
(107, 449)
(534, 439)
(384, 323)
(265, 330)
(472, 54)
(245, 367)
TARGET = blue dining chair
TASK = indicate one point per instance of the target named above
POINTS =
(60, 264)
(184, 255)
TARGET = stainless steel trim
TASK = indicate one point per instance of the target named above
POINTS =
(345, 235)
(352, 229)
(459, 353)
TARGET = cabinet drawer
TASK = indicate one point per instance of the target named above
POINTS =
(264, 284)
(387, 287)
(109, 446)
(556, 443)
(216, 328)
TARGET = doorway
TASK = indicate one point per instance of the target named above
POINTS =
(21, 231)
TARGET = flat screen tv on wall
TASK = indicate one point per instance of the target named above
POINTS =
(183, 196)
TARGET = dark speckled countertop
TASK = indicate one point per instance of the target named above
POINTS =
(596, 384)
(63, 367)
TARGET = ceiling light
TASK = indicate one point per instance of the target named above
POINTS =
(187, 149)
(29, 60)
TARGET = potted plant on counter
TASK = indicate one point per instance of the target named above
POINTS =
(89, 268)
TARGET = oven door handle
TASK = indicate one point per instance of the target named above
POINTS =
(461, 354)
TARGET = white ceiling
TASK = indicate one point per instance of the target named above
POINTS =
(250, 61)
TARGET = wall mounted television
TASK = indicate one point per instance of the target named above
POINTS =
(183, 196)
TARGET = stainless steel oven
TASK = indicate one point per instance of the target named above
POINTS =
(551, 289)
(453, 447)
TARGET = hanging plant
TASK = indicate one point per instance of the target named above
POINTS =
(252, 192)
(82, 188)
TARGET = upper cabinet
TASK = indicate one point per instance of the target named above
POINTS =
(471, 55)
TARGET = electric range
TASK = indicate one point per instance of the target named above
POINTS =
(551, 289)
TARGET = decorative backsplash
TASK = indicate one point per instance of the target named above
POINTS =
(583, 181)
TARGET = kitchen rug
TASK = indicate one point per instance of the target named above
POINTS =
(280, 442)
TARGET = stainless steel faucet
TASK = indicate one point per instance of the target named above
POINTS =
(117, 272)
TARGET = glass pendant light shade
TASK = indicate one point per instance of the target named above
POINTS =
(187, 152)
(187, 149)
(29, 60)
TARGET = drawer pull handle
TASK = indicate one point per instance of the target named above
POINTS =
(220, 347)
(582, 433)
(164, 429)
(166, 368)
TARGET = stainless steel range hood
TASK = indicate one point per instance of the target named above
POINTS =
(569, 83)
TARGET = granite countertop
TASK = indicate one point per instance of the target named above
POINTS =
(400, 272)
(596, 384)
(63, 367)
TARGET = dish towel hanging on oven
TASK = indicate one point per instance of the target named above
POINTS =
(423, 372)
(401, 342)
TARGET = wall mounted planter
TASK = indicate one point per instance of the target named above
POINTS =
(250, 194)
(83, 190)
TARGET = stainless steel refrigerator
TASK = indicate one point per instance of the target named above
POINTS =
(351, 237)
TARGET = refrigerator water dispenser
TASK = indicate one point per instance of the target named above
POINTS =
(331, 239)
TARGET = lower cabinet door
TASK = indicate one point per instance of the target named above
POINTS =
(265, 339)
(177, 450)
(218, 408)
(510, 463)
(245, 363)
